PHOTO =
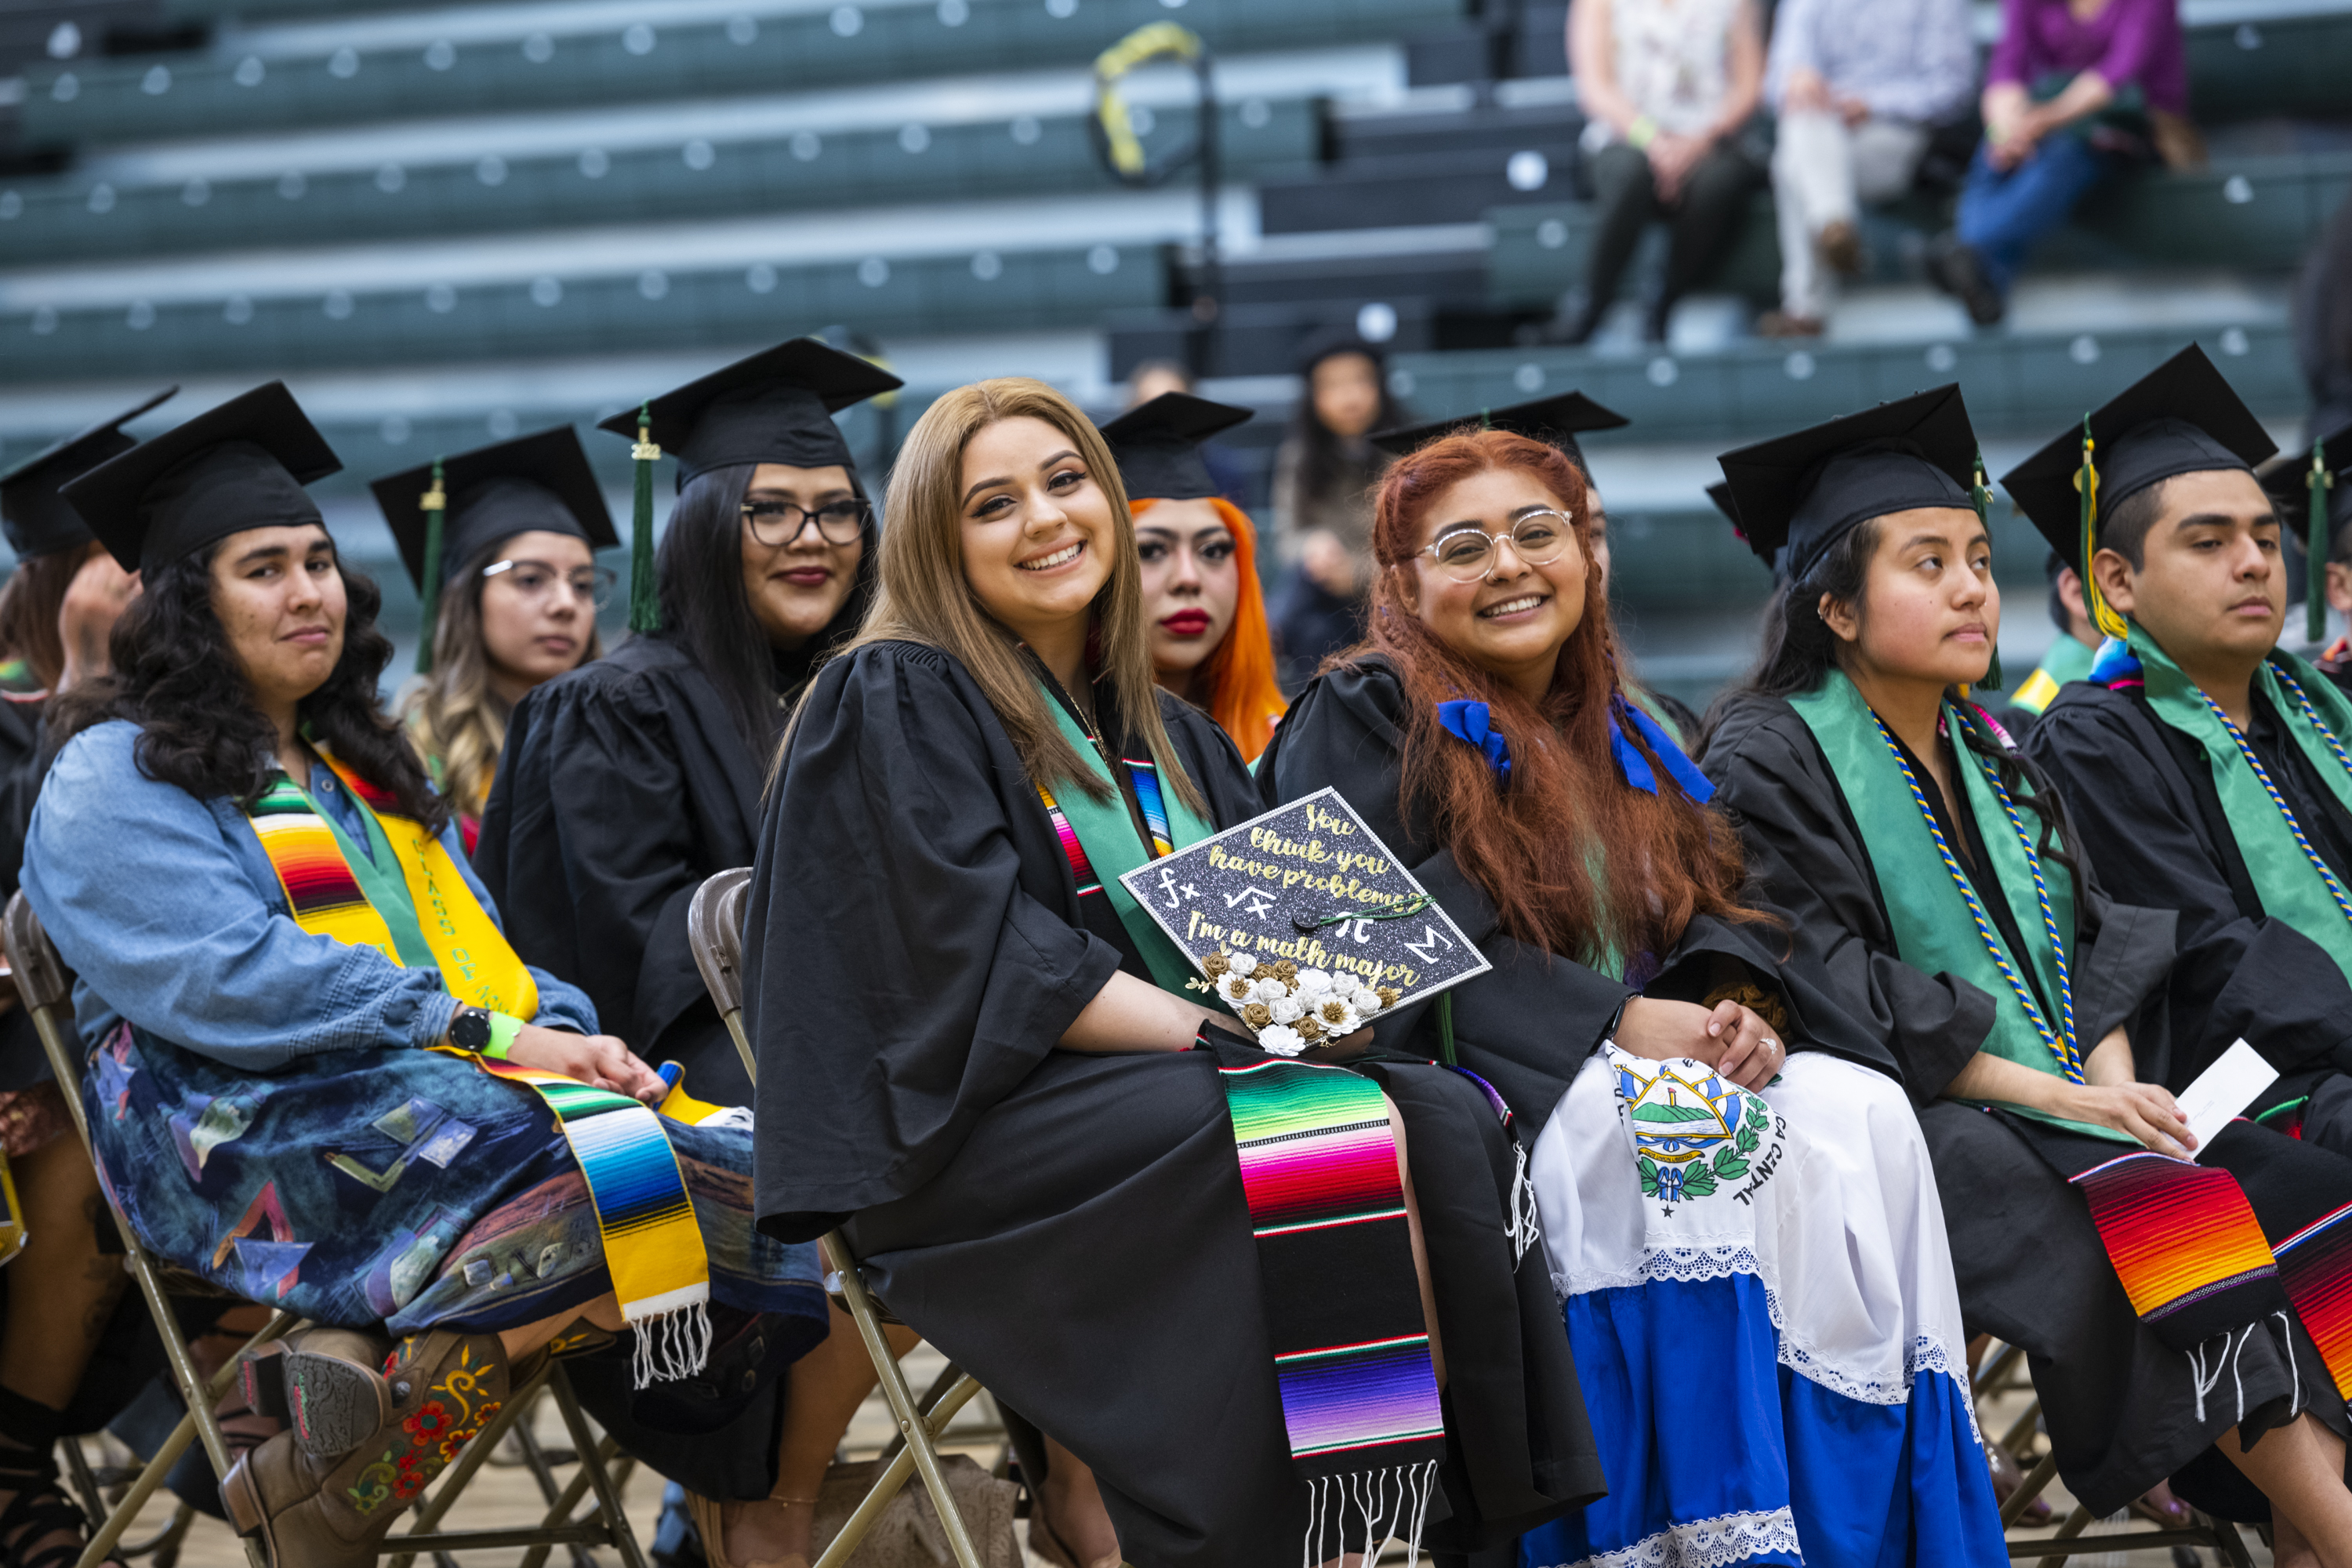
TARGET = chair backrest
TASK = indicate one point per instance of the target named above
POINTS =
(44, 985)
(714, 931)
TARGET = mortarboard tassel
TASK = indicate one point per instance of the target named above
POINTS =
(2314, 609)
(1981, 496)
(644, 602)
(2087, 485)
(435, 504)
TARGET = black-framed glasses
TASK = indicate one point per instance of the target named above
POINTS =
(1468, 552)
(535, 580)
(776, 523)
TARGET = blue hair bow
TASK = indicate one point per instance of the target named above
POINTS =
(1636, 767)
(1474, 723)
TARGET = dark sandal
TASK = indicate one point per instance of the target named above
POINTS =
(38, 1509)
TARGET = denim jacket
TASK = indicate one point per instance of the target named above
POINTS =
(172, 917)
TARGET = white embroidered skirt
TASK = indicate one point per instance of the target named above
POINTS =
(1759, 1295)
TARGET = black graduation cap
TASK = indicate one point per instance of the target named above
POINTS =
(2181, 417)
(1719, 493)
(1555, 421)
(1158, 445)
(2314, 487)
(36, 518)
(776, 406)
(242, 464)
(532, 484)
(1805, 491)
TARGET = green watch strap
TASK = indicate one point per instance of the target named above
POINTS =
(504, 1027)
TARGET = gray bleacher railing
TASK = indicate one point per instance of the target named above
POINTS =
(554, 315)
(74, 216)
(144, 98)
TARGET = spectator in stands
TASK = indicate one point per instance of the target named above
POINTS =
(1323, 480)
(1202, 605)
(1859, 87)
(1668, 89)
(507, 575)
(2323, 324)
(2073, 93)
(160, 856)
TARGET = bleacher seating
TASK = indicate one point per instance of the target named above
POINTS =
(459, 229)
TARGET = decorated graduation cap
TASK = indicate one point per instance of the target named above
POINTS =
(37, 519)
(2315, 485)
(1800, 494)
(445, 512)
(242, 464)
(1554, 421)
(777, 407)
(1158, 445)
(2182, 417)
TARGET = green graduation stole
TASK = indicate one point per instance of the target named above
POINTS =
(1319, 1164)
(1938, 917)
(2293, 883)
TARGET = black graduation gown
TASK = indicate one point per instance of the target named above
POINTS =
(2140, 798)
(1528, 1027)
(2121, 1408)
(623, 784)
(23, 1063)
(1070, 1228)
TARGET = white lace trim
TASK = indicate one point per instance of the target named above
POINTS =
(1689, 1264)
(1714, 1542)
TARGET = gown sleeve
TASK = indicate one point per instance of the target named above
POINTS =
(2142, 822)
(906, 964)
(588, 844)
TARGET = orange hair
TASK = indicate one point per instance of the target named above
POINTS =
(1243, 696)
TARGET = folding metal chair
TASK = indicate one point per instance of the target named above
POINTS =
(45, 989)
(1999, 1375)
(714, 923)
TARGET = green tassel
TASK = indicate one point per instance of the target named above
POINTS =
(2316, 486)
(1445, 1027)
(645, 601)
(435, 505)
(1981, 497)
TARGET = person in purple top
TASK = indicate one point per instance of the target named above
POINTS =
(2074, 90)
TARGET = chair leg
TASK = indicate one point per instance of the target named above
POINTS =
(2036, 1481)
(892, 1480)
(2232, 1545)
(912, 1426)
(600, 1479)
(78, 1470)
(559, 1508)
(2076, 1523)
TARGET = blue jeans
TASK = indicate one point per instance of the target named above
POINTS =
(2001, 215)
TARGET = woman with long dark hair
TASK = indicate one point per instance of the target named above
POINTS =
(321, 1077)
(1736, 1203)
(1323, 479)
(984, 1064)
(500, 542)
(1932, 880)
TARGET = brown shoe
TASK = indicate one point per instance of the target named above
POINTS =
(1781, 325)
(329, 1511)
(1841, 246)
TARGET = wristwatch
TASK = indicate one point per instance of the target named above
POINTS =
(470, 1029)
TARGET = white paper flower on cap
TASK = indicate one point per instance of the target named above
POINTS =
(1235, 988)
(1243, 963)
(1365, 1002)
(1314, 982)
(1269, 991)
(1281, 1041)
(1337, 1018)
(1287, 1009)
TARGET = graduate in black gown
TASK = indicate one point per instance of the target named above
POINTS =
(1929, 877)
(627, 782)
(2312, 491)
(2155, 752)
(1484, 735)
(985, 1075)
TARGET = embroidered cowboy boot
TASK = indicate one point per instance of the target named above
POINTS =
(328, 1384)
(322, 1511)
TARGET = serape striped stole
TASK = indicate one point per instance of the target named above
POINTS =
(1318, 1165)
(410, 902)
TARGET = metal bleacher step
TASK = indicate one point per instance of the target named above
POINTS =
(603, 57)
(169, 206)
